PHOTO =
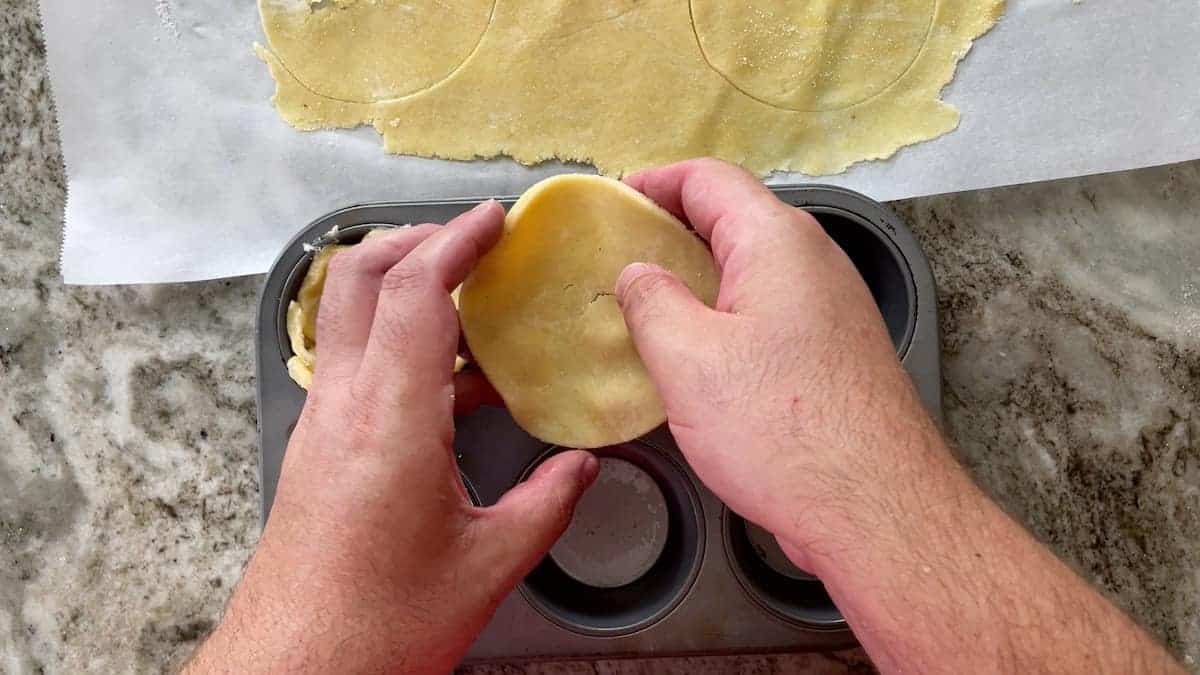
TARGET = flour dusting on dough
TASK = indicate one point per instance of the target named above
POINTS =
(775, 85)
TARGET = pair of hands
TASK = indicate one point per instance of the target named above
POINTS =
(374, 555)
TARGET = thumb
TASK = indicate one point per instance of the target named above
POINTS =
(528, 519)
(658, 309)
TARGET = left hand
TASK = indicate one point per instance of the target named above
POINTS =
(374, 558)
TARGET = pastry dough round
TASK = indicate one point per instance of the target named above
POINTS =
(541, 319)
(364, 51)
(812, 55)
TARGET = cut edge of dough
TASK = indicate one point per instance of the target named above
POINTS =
(955, 37)
(565, 180)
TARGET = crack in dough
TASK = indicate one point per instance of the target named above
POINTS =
(774, 85)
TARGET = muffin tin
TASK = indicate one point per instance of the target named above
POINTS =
(719, 586)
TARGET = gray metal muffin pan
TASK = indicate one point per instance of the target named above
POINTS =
(710, 591)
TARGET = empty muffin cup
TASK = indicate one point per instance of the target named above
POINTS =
(777, 585)
(870, 235)
(619, 529)
(881, 266)
(632, 551)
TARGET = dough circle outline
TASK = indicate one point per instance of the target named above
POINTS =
(934, 7)
(491, 18)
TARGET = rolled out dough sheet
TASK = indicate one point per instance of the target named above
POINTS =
(798, 85)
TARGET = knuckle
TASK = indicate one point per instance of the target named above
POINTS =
(362, 415)
(409, 287)
(360, 427)
(804, 219)
(419, 317)
(727, 172)
(649, 288)
(343, 265)
(650, 298)
(794, 231)
(330, 314)
(807, 225)
(820, 244)
(412, 275)
(397, 242)
(394, 328)
(714, 164)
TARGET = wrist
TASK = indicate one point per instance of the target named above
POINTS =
(877, 501)
(277, 622)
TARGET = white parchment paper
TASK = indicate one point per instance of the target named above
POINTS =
(179, 169)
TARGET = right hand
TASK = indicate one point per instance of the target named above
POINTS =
(787, 399)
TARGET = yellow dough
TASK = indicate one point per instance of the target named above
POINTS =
(370, 50)
(302, 315)
(804, 85)
(541, 320)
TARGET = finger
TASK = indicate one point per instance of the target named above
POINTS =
(351, 290)
(759, 242)
(472, 390)
(660, 311)
(517, 532)
(706, 192)
(410, 353)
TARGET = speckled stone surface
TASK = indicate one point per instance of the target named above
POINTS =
(128, 495)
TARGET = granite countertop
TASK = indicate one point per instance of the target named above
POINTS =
(128, 489)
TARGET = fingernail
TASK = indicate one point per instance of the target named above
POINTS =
(483, 205)
(630, 274)
(589, 468)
